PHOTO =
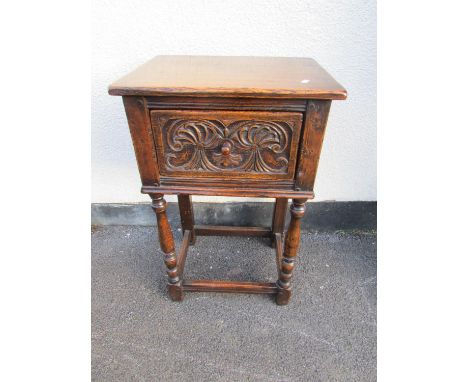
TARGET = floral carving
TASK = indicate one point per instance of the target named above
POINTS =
(226, 157)
(210, 145)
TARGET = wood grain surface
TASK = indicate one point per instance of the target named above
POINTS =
(276, 77)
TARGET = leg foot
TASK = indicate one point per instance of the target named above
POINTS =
(175, 292)
(283, 296)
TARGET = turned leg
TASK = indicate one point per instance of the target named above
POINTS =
(186, 215)
(291, 245)
(166, 240)
(279, 217)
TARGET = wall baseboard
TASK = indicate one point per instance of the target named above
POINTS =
(320, 216)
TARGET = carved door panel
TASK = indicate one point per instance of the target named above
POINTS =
(226, 144)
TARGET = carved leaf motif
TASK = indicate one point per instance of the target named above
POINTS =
(254, 146)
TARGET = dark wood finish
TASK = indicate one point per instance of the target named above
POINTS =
(183, 254)
(279, 217)
(226, 144)
(186, 215)
(311, 144)
(142, 137)
(166, 240)
(211, 103)
(279, 247)
(228, 126)
(241, 183)
(291, 245)
(231, 191)
(229, 286)
(276, 77)
(218, 230)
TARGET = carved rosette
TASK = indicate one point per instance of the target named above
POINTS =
(210, 145)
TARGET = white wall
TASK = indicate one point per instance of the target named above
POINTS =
(339, 34)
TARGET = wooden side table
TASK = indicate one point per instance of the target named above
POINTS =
(231, 126)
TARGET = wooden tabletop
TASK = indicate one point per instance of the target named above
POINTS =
(278, 77)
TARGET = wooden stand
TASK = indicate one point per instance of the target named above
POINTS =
(285, 254)
(228, 126)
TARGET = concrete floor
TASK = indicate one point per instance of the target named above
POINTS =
(326, 333)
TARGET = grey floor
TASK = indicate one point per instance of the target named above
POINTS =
(326, 333)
